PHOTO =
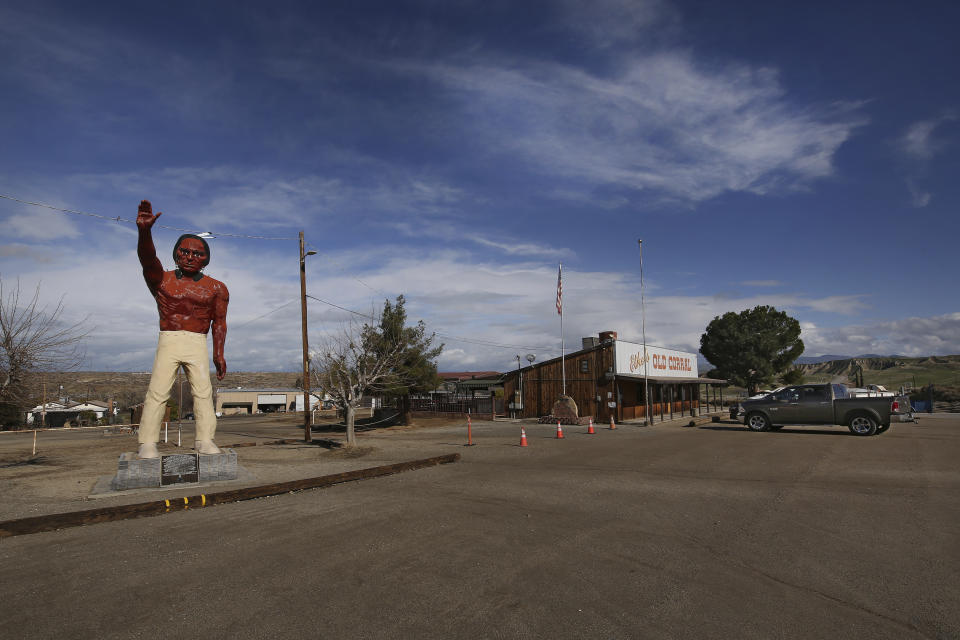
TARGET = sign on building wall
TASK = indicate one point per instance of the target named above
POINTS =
(314, 402)
(272, 398)
(663, 363)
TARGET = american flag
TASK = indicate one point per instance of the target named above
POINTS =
(559, 289)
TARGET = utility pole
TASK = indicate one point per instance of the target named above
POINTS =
(307, 436)
(519, 392)
(643, 324)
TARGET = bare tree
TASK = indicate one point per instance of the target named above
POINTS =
(32, 339)
(351, 363)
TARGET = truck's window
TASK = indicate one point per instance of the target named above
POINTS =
(840, 391)
(813, 394)
(790, 394)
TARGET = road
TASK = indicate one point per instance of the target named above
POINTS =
(661, 532)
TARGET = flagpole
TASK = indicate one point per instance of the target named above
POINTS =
(563, 366)
(646, 358)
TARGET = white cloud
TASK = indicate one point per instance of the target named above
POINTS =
(38, 224)
(427, 227)
(266, 202)
(936, 335)
(918, 197)
(761, 283)
(919, 141)
(661, 122)
(606, 23)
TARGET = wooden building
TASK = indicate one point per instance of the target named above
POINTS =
(610, 377)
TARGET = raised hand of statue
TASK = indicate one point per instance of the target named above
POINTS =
(145, 217)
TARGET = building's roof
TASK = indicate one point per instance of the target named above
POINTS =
(88, 403)
(457, 376)
(668, 379)
(51, 406)
(55, 407)
(257, 390)
(97, 403)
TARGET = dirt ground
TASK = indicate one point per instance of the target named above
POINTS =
(61, 475)
(669, 531)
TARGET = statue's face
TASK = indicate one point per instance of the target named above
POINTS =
(191, 256)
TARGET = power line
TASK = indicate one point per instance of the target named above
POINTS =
(119, 219)
(285, 304)
(343, 270)
(485, 343)
(356, 313)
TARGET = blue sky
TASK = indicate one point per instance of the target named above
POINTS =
(802, 155)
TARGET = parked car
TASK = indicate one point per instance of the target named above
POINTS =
(871, 390)
(822, 404)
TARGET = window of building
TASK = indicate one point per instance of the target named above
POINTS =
(584, 365)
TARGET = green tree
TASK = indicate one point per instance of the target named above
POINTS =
(752, 347)
(415, 370)
(385, 358)
(792, 376)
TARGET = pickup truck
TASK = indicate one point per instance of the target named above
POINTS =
(822, 404)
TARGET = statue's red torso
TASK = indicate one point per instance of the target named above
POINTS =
(188, 305)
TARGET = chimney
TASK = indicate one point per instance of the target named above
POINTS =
(606, 336)
(591, 342)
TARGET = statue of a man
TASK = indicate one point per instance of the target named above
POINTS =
(189, 303)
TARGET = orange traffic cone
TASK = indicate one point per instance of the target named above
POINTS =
(590, 428)
(523, 437)
(559, 431)
(613, 425)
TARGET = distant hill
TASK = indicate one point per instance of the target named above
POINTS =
(819, 359)
(828, 358)
(129, 388)
(889, 371)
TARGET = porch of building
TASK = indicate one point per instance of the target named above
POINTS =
(669, 400)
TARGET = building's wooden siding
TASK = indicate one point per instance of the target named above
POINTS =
(543, 384)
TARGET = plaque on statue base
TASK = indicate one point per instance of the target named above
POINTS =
(177, 468)
(173, 469)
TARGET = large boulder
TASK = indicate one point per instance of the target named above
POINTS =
(565, 407)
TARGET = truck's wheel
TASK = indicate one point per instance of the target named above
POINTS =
(758, 422)
(863, 425)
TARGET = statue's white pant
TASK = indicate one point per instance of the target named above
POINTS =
(173, 349)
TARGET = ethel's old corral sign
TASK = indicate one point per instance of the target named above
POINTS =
(663, 363)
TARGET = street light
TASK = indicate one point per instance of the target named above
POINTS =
(307, 436)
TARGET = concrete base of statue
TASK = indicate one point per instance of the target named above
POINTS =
(173, 469)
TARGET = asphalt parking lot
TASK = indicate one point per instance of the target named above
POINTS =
(642, 532)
